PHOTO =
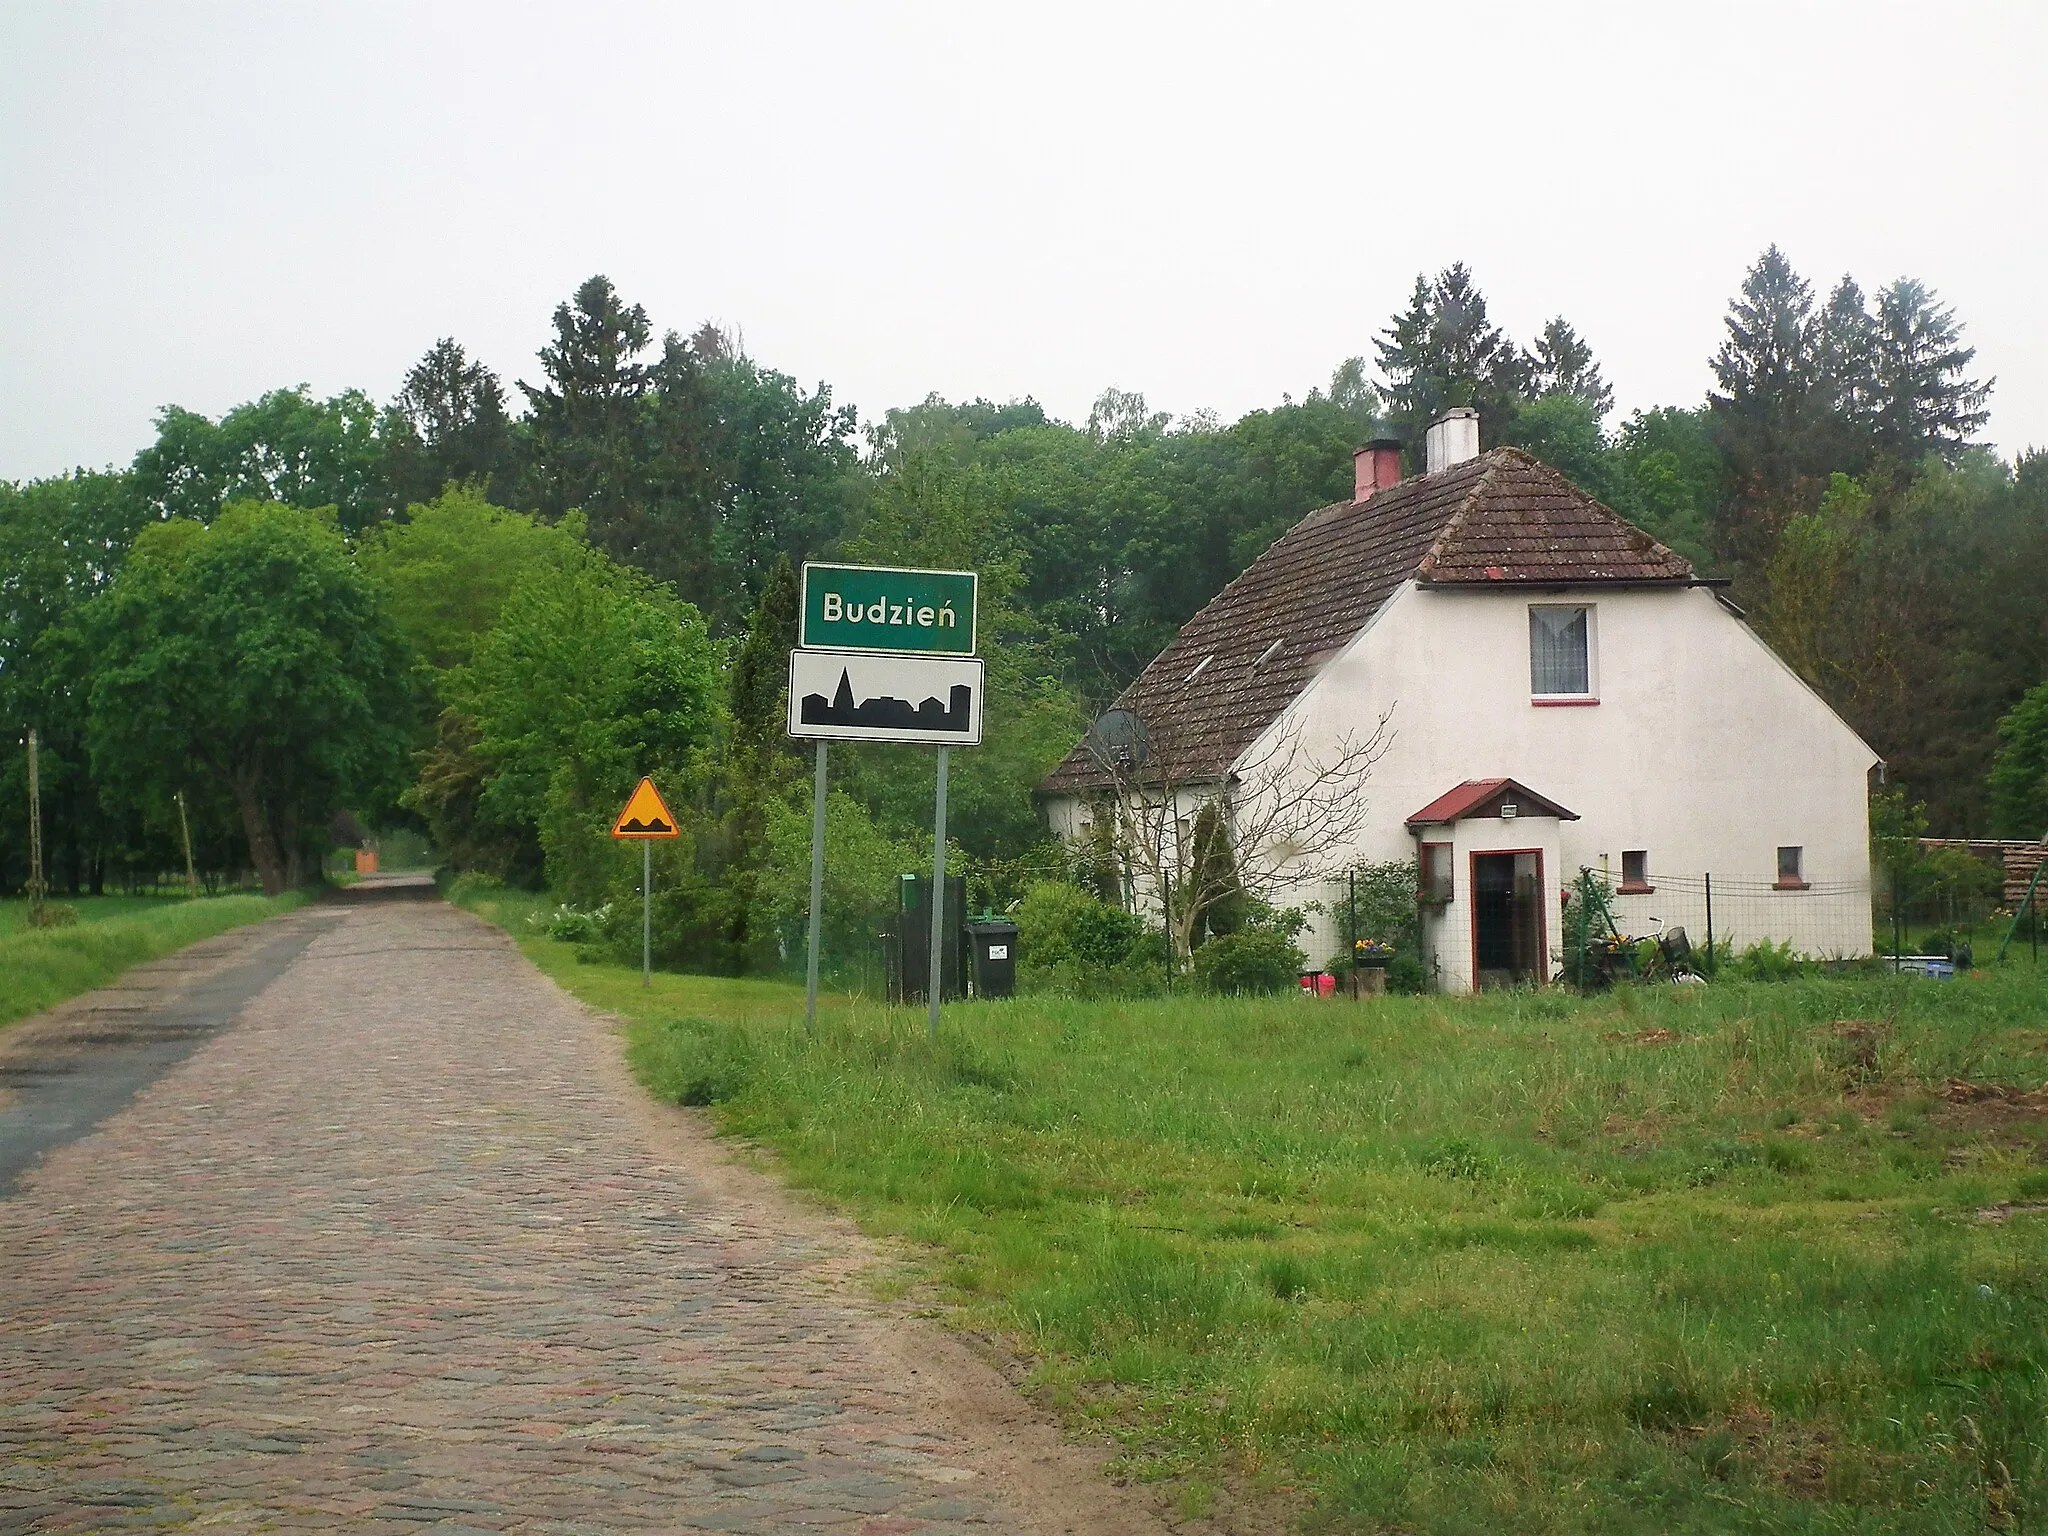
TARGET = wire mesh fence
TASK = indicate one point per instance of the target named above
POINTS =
(1816, 920)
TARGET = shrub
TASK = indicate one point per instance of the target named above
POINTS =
(1058, 923)
(570, 925)
(1765, 961)
(1252, 962)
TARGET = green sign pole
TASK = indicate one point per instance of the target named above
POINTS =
(938, 897)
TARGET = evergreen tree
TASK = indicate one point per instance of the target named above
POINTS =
(1564, 365)
(1923, 402)
(448, 427)
(1844, 358)
(586, 420)
(683, 469)
(1765, 408)
(1443, 351)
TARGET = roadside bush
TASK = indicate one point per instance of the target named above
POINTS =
(1243, 964)
(1057, 922)
(1072, 944)
(570, 925)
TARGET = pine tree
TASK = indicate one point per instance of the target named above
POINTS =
(1844, 356)
(684, 469)
(1564, 365)
(448, 426)
(1764, 366)
(1922, 401)
(1764, 413)
(586, 421)
(1444, 351)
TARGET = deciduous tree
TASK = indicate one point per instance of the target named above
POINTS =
(252, 653)
(285, 447)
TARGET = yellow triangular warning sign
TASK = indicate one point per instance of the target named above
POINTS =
(646, 815)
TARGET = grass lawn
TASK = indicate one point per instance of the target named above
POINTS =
(41, 967)
(1756, 1257)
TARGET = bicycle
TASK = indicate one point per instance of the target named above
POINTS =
(1606, 955)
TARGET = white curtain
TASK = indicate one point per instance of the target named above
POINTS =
(1557, 651)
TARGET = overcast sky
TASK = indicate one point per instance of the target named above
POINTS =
(1211, 204)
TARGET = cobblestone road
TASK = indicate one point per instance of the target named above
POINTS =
(398, 1250)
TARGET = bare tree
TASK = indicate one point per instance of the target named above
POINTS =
(1279, 821)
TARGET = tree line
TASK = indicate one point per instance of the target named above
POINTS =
(483, 618)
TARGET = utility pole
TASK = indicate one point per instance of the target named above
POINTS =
(185, 832)
(37, 886)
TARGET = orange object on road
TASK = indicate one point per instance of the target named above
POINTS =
(366, 861)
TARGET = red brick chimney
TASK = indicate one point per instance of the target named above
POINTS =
(1375, 467)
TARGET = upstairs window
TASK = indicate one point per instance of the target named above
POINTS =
(1560, 652)
(1791, 869)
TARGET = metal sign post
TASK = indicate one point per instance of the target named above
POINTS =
(938, 900)
(884, 654)
(817, 894)
(644, 818)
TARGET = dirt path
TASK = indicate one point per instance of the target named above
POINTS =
(404, 1247)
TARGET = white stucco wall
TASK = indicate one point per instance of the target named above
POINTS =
(1704, 749)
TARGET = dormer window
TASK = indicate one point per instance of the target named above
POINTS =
(1560, 654)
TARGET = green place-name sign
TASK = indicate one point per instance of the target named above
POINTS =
(876, 608)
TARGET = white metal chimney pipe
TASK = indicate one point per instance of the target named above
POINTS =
(1452, 439)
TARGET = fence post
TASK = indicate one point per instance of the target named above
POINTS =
(1898, 925)
(1579, 959)
(1713, 961)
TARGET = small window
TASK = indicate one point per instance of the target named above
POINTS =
(1635, 872)
(1435, 874)
(1791, 869)
(1560, 653)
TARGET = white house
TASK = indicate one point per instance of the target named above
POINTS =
(1559, 690)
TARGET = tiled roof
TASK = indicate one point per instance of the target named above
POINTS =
(1500, 518)
(1476, 795)
(1525, 522)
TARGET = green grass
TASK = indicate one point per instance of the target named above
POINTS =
(40, 968)
(1659, 1261)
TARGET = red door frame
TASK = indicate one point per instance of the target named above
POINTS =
(1542, 916)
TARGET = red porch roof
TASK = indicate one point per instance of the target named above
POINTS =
(1476, 796)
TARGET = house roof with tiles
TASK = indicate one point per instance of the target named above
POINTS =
(1500, 519)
